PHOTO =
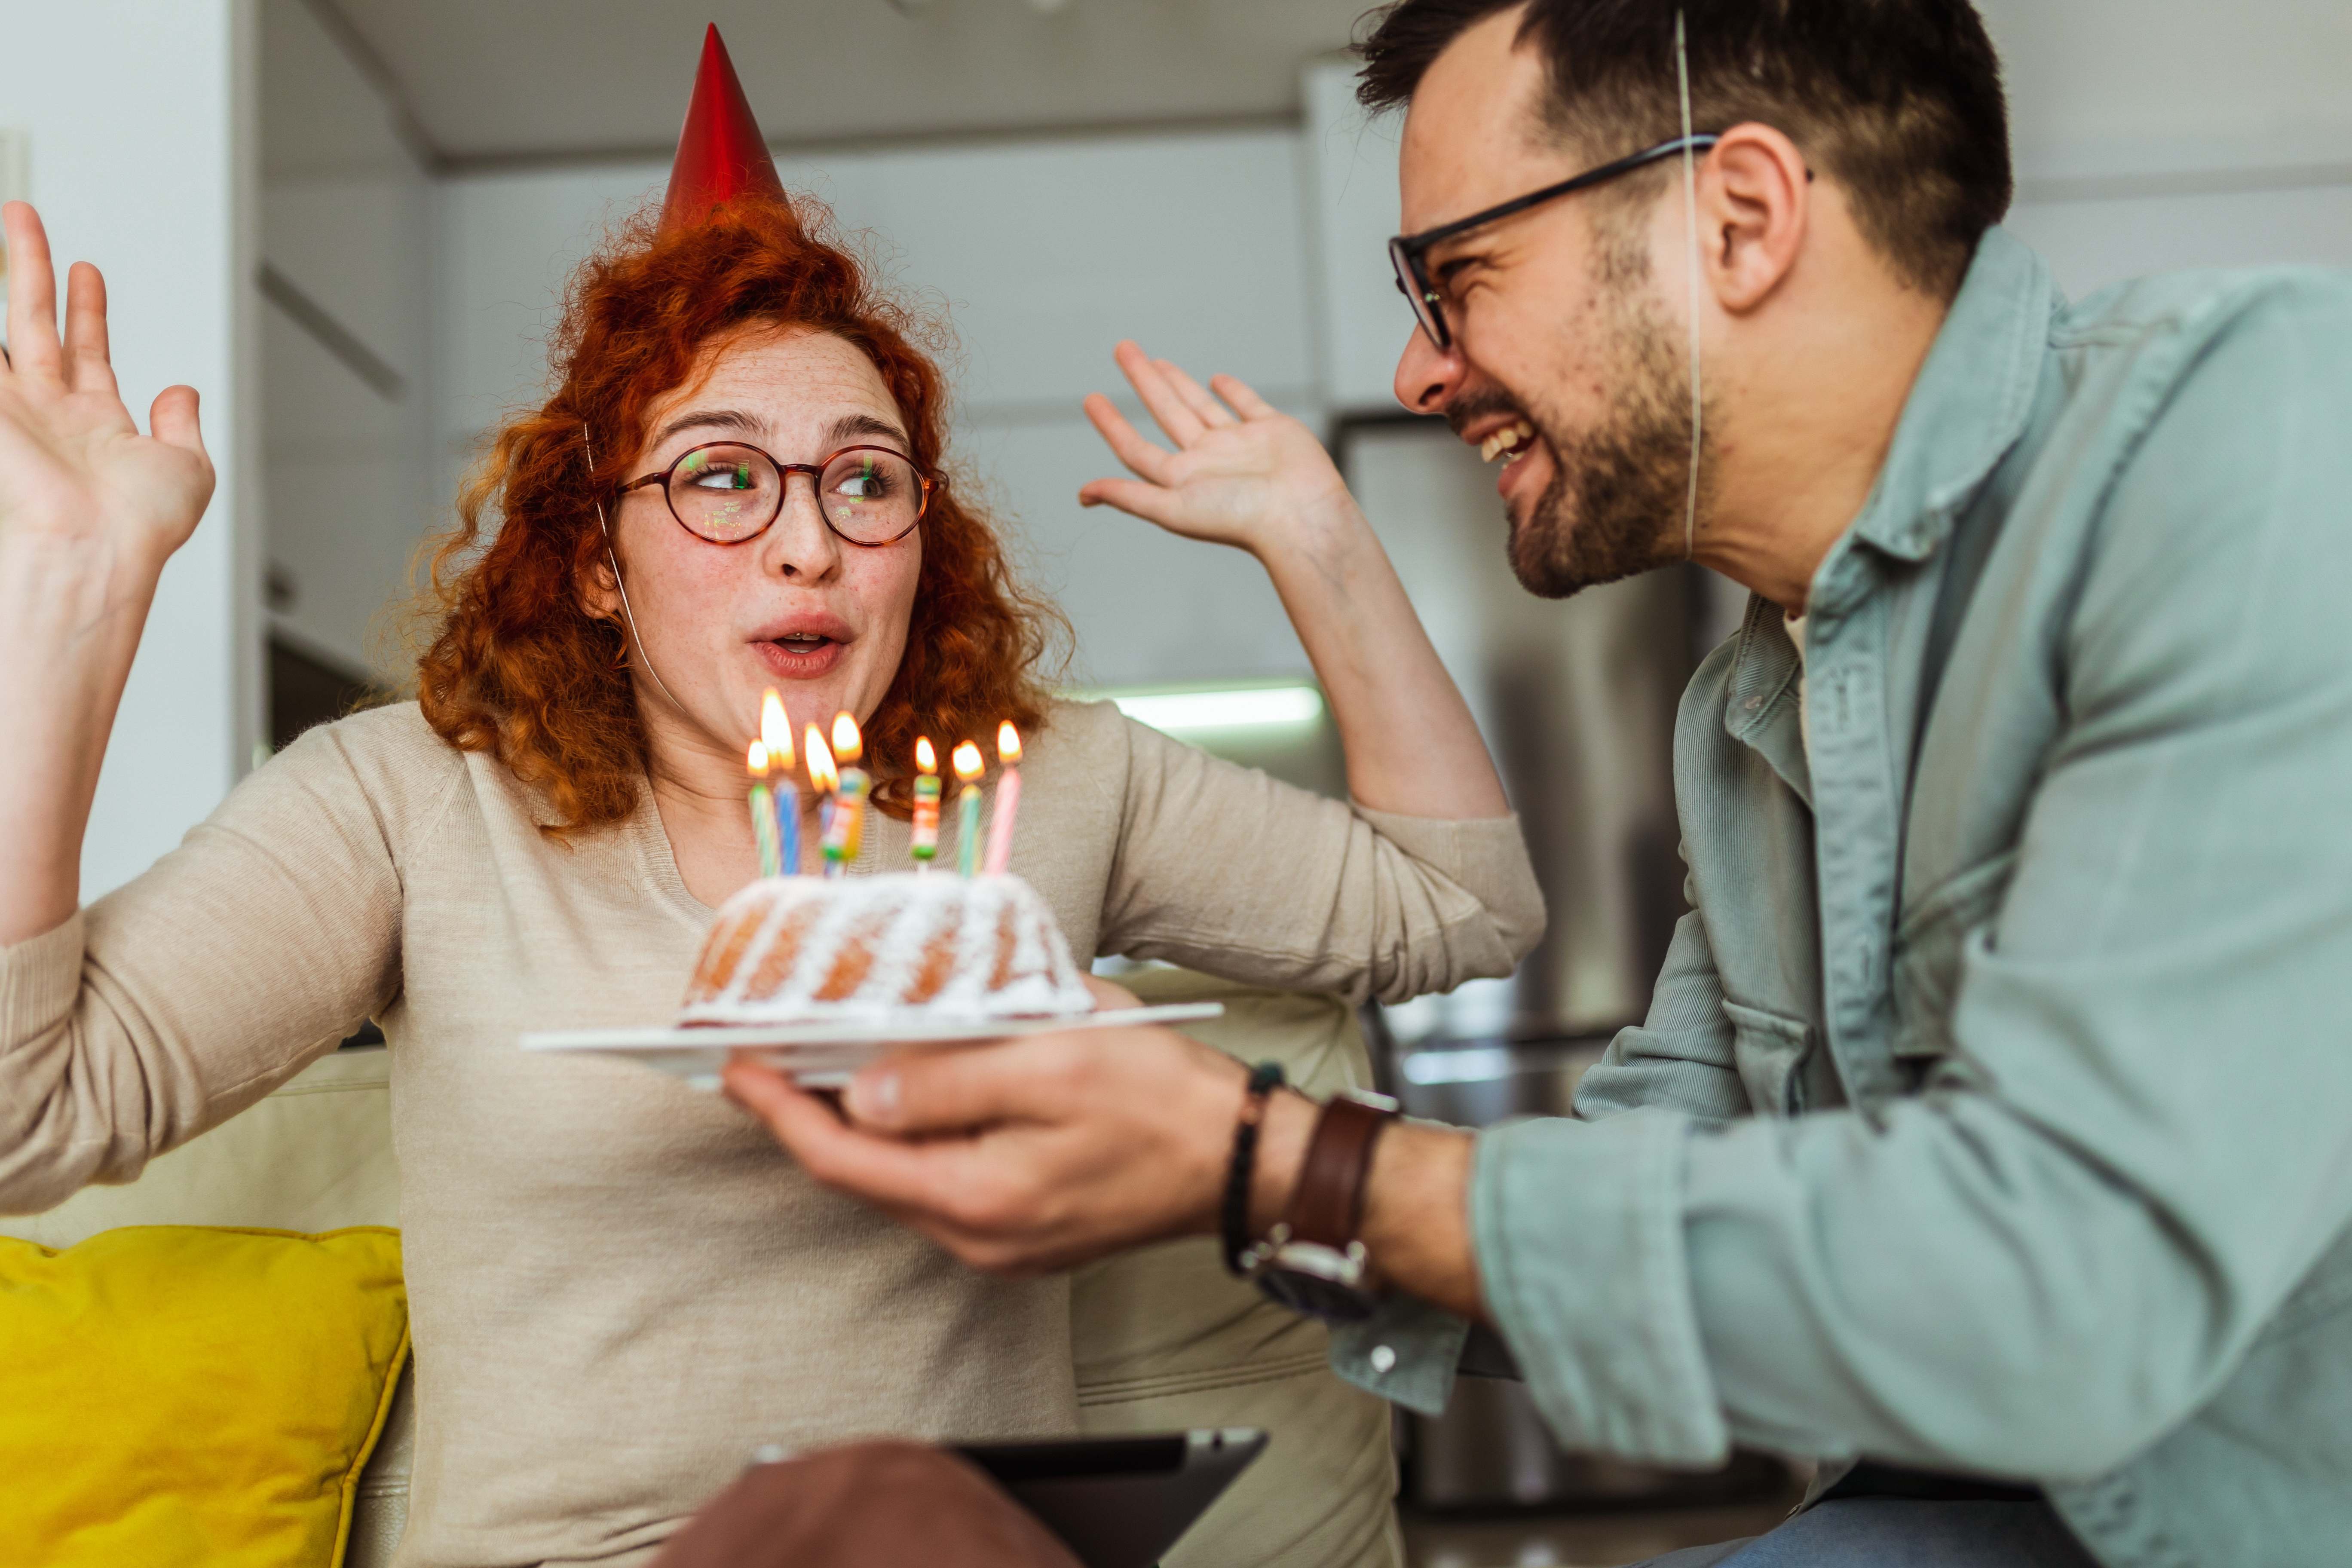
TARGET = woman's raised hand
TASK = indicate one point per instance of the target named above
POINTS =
(1243, 473)
(89, 510)
(73, 465)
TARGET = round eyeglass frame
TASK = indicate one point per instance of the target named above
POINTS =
(785, 472)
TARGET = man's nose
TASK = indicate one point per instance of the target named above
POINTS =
(1427, 377)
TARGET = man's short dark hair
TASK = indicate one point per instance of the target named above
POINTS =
(1898, 101)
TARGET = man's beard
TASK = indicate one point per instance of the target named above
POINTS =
(1619, 495)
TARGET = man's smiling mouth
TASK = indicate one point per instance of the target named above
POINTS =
(1510, 441)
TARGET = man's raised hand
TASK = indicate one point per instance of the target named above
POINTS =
(73, 465)
(1243, 473)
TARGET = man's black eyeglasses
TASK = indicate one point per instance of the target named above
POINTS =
(1408, 252)
(729, 491)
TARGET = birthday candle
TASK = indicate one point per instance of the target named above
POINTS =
(823, 778)
(923, 843)
(846, 833)
(763, 809)
(1008, 799)
(968, 767)
(776, 734)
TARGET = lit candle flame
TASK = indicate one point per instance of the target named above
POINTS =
(968, 765)
(775, 729)
(1008, 743)
(823, 775)
(847, 745)
(757, 760)
(926, 759)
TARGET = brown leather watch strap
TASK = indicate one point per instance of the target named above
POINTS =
(1328, 1204)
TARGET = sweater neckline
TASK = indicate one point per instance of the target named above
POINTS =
(657, 860)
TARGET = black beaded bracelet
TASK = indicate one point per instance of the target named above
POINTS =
(1264, 1080)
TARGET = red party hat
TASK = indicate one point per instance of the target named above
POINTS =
(721, 157)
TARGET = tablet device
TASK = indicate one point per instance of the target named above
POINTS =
(1120, 1502)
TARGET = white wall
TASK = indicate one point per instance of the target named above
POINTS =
(1041, 255)
(2106, 87)
(137, 114)
(349, 478)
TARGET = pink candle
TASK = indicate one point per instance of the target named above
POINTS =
(1008, 800)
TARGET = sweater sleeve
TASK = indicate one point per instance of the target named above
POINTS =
(190, 992)
(1222, 868)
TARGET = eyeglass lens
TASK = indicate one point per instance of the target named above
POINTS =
(1416, 293)
(728, 493)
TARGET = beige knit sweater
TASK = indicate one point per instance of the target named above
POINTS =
(619, 1285)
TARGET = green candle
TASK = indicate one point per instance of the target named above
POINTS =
(968, 767)
(923, 837)
(763, 810)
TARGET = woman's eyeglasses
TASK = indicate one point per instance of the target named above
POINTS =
(729, 491)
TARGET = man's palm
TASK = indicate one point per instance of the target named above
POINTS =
(1241, 469)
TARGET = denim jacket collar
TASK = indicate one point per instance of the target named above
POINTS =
(1971, 405)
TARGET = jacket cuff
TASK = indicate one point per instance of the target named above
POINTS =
(40, 981)
(1405, 1352)
(1578, 1228)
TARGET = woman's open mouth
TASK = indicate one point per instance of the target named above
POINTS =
(799, 656)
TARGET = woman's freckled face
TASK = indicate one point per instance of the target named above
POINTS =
(795, 607)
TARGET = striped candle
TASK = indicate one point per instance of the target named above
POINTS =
(923, 836)
(845, 834)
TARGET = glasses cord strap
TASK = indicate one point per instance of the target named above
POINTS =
(626, 613)
(1690, 218)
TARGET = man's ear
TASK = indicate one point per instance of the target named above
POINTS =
(1755, 203)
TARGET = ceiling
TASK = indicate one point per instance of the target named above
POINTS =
(497, 81)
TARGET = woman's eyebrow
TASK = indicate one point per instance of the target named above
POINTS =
(849, 426)
(709, 419)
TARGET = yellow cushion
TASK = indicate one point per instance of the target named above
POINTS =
(178, 1394)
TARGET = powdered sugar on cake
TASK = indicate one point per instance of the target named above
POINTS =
(803, 948)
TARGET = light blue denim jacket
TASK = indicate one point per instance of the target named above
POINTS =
(2013, 1135)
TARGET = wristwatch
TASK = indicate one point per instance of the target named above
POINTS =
(1312, 1261)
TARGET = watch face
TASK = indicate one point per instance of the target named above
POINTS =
(1314, 1294)
(1321, 1281)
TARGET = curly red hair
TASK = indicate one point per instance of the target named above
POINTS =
(519, 669)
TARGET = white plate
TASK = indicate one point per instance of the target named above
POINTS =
(823, 1055)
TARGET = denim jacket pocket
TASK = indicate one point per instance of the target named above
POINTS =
(1927, 947)
(1768, 1049)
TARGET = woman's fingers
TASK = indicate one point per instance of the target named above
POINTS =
(88, 366)
(1196, 397)
(1182, 425)
(1130, 447)
(33, 347)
